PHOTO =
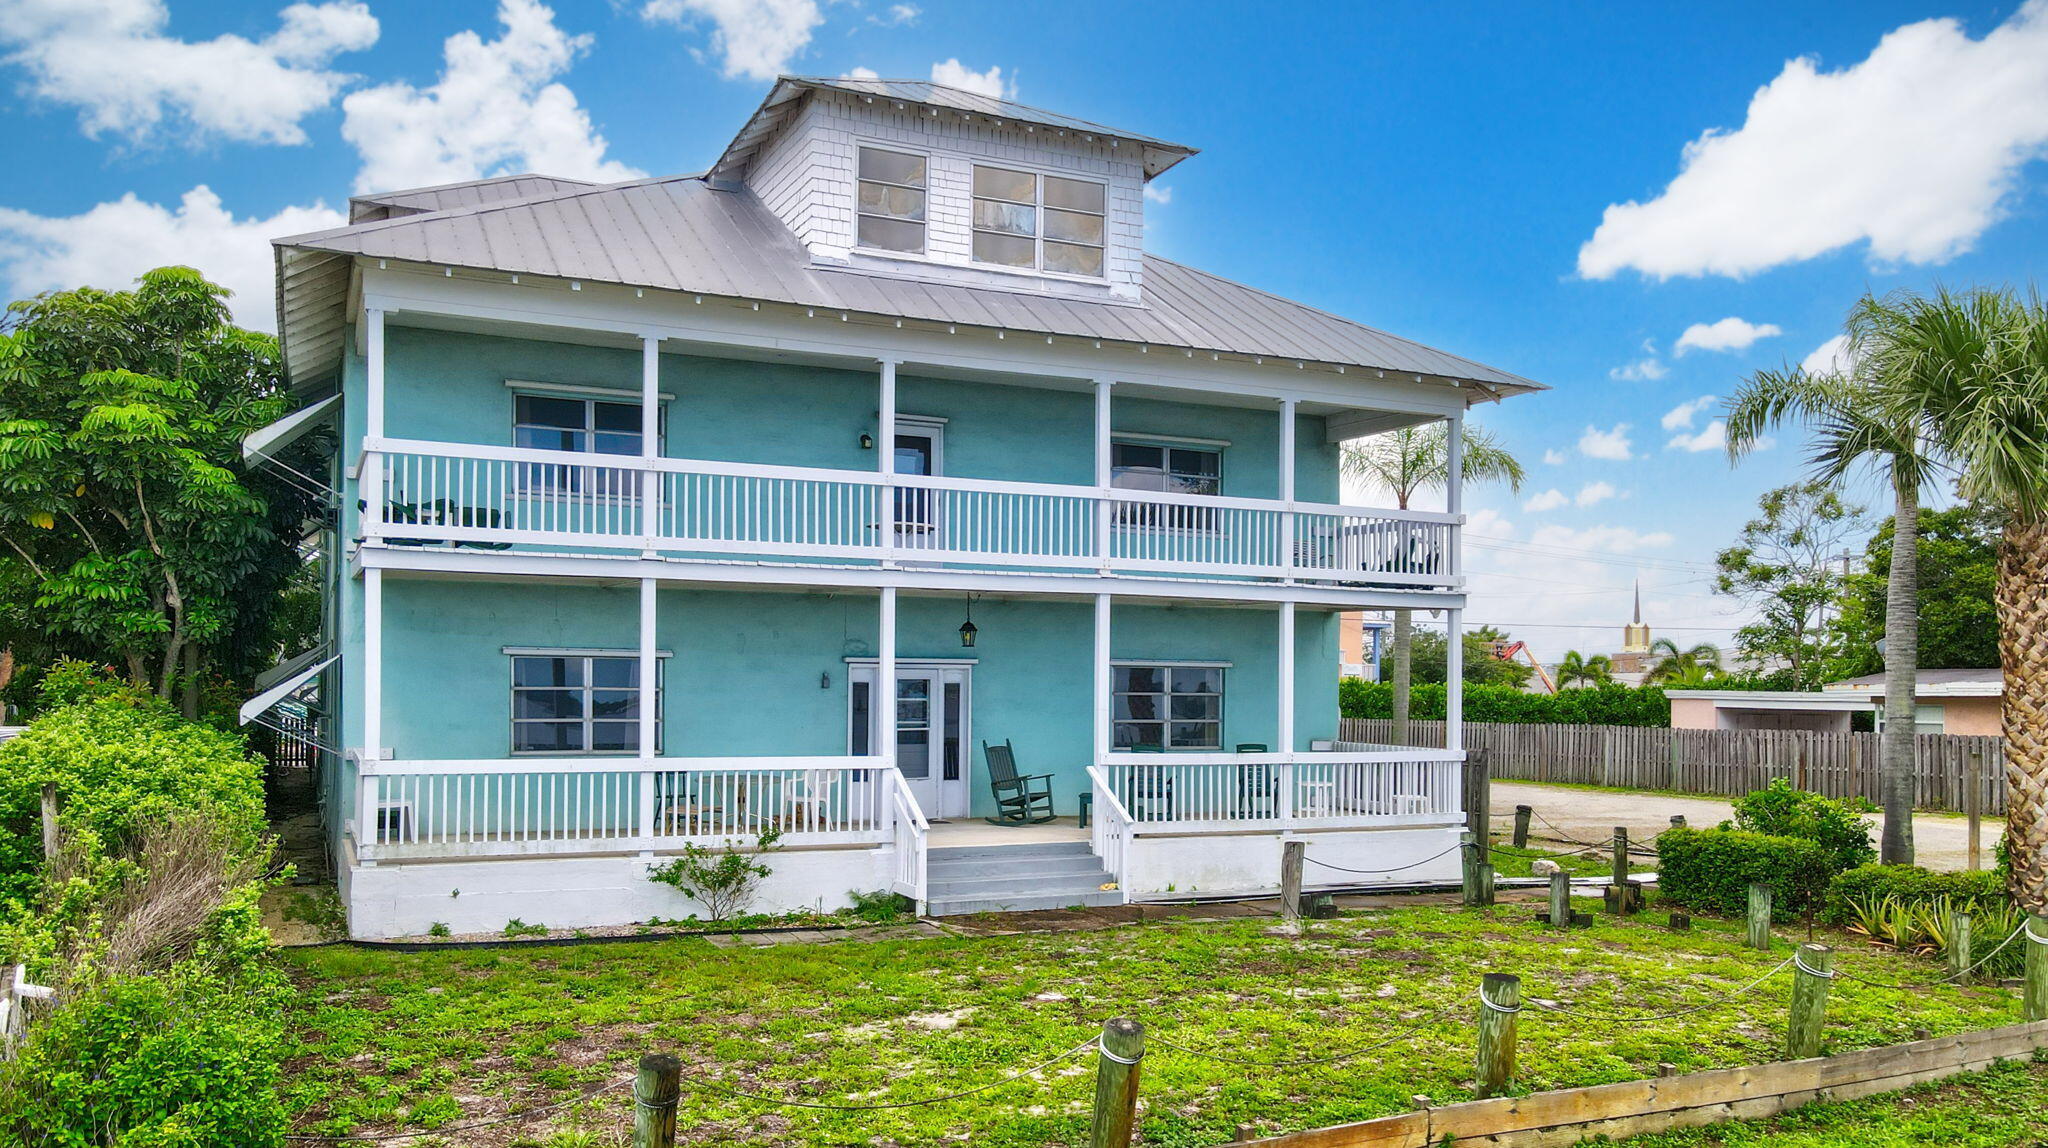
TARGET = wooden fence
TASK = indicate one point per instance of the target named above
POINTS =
(1717, 762)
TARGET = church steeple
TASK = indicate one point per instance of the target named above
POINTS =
(1635, 637)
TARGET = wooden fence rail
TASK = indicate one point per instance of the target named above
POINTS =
(1717, 762)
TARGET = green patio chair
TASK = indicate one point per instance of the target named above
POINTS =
(1258, 785)
(1021, 799)
(1151, 788)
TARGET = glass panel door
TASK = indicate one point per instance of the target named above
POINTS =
(917, 448)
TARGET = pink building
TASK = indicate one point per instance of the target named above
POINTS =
(1947, 701)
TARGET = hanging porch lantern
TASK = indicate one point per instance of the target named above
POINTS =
(967, 628)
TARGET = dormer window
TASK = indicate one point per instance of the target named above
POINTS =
(891, 215)
(1046, 222)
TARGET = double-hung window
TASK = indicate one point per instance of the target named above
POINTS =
(1022, 219)
(1168, 469)
(1169, 706)
(578, 703)
(585, 426)
(890, 215)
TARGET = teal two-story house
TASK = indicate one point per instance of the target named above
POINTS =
(682, 510)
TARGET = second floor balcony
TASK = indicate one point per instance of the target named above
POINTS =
(498, 497)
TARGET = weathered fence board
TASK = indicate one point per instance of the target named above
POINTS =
(1717, 762)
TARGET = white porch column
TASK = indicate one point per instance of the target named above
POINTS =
(650, 708)
(1454, 490)
(1286, 740)
(1454, 679)
(1102, 474)
(371, 477)
(372, 752)
(884, 704)
(1102, 686)
(650, 441)
(885, 495)
(1288, 537)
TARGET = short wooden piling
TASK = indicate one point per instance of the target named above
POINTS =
(1117, 1060)
(1292, 857)
(1561, 900)
(1959, 947)
(1522, 815)
(1759, 915)
(1468, 854)
(2035, 997)
(655, 1091)
(1812, 969)
(1678, 821)
(1973, 799)
(1620, 855)
(51, 844)
(1485, 885)
(1500, 999)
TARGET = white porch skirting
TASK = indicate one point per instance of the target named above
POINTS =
(1164, 868)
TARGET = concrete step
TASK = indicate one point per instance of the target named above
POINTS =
(951, 869)
(1019, 852)
(1021, 903)
(938, 887)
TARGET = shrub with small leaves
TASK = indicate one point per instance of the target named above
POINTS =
(724, 881)
(1711, 870)
(1836, 826)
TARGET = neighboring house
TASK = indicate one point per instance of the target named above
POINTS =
(1359, 639)
(878, 441)
(1946, 701)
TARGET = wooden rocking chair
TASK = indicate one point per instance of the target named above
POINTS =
(1018, 800)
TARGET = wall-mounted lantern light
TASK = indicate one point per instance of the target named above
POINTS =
(825, 680)
(867, 441)
(967, 628)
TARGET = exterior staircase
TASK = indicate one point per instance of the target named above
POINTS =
(1014, 878)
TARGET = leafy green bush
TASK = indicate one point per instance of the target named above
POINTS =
(120, 761)
(1711, 870)
(1911, 885)
(724, 881)
(1599, 705)
(1836, 826)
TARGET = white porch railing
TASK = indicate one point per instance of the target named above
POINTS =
(1110, 830)
(1359, 787)
(497, 496)
(541, 806)
(909, 831)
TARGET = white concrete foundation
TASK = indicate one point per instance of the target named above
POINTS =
(1216, 864)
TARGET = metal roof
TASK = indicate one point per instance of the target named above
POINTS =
(681, 234)
(789, 93)
(468, 193)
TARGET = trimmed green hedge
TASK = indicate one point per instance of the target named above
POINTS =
(1596, 705)
(1711, 870)
(1912, 884)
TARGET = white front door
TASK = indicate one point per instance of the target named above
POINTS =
(932, 736)
(920, 450)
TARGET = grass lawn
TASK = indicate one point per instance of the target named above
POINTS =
(394, 1041)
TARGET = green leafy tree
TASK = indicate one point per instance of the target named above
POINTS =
(1784, 567)
(1481, 666)
(130, 531)
(1409, 462)
(1579, 670)
(1957, 596)
(1689, 668)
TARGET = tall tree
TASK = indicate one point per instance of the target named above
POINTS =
(1577, 669)
(1986, 404)
(129, 530)
(1958, 608)
(1851, 428)
(1691, 667)
(1409, 462)
(1431, 662)
(1783, 566)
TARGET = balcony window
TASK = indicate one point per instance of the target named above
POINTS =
(587, 426)
(1167, 469)
(1174, 707)
(891, 207)
(1046, 222)
(578, 704)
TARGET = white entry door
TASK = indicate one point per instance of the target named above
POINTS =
(933, 746)
(920, 511)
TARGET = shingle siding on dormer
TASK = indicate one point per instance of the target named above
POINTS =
(807, 177)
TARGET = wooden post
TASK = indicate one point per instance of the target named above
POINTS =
(1292, 854)
(1678, 821)
(1469, 854)
(1486, 885)
(1522, 815)
(1759, 915)
(1620, 856)
(1812, 968)
(655, 1092)
(1500, 998)
(1973, 799)
(1479, 801)
(50, 843)
(1117, 1061)
(2036, 994)
(1561, 900)
(1959, 947)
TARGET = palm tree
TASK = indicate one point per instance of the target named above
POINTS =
(1676, 667)
(1407, 462)
(1576, 667)
(1890, 345)
(1984, 398)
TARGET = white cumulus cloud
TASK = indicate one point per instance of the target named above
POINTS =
(109, 245)
(954, 74)
(1915, 150)
(1730, 334)
(1612, 445)
(496, 108)
(1548, 500)
(1639, 371)
(1157, 194)
(1594, 493)
(755, 39)
(1553, 457)
(896, 14)
(1713, 436)
(1831, 357)
(112, 61)
(1682, 414)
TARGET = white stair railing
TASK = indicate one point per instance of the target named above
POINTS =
(910, 833)
(1110, 832)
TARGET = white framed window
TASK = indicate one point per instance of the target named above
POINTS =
(578, 703)
(1047, 222)
(889, 211)
(1170, 469)
(1174, 706)
(583, 426)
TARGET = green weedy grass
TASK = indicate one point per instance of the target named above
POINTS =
(2004, 1107)
(388, 1040)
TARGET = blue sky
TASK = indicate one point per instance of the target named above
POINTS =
(1439, 171)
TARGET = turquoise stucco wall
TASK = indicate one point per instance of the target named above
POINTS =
(746, 669)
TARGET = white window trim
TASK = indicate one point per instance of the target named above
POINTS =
(1038, 267)
(580, 391)
(1146, 438)
(1166, 721)
(924, 253)
(512, 692)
